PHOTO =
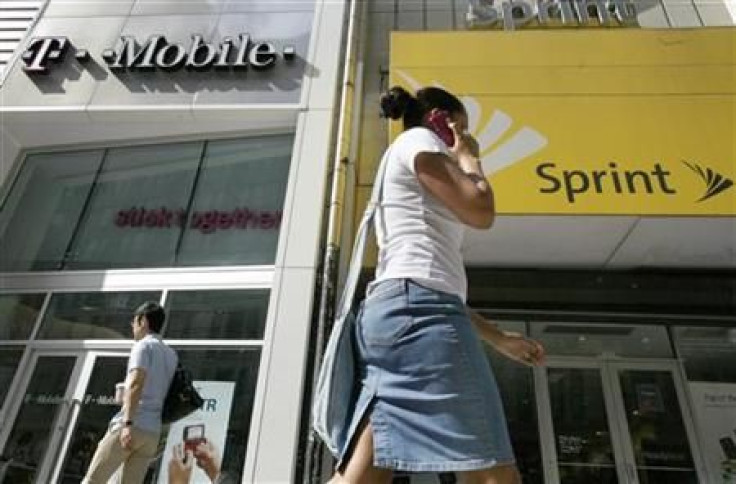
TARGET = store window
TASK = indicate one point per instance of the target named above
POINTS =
(227, 381)
(38, 217)
(708, 353)
(621, 340)
(130, 216)
(92, 315)
(216, 314)
(208, 203)
(236, 209)
(18, 315)
(516, 385)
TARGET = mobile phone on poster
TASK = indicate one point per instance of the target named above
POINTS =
(193, 436)
(438, 120)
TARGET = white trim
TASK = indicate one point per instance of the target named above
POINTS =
(623, 453)
(127, 344)
(232, 277)
(546, 427)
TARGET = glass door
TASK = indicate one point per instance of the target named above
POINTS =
(39, 418)
(578, 429)
(613, 422)
(62, 409)
(648, 400)
(93, 407)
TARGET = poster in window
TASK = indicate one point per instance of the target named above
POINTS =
(205, 428)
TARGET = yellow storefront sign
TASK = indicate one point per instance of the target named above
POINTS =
(590, 121)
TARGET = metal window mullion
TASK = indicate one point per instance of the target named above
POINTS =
(83, 212)
(190, 203)
(41, 314)
(162, 301)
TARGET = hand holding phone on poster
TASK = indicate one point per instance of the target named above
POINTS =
(180, 465)
(208, 459)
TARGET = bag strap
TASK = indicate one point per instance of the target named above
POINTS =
(356, 260)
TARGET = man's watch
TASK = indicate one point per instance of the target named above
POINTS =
(127, 423)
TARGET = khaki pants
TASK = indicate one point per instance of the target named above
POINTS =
(110, 455)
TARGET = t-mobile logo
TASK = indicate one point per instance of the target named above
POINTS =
(42, 51)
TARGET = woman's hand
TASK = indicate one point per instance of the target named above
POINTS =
(519, 348)
(512, 345)
(465, 147)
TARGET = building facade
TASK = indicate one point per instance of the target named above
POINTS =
(168, 151)
(214, 155)
(606, 131)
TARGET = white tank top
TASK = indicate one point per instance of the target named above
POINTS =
(418, 236)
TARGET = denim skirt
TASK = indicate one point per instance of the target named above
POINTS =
(426, 384)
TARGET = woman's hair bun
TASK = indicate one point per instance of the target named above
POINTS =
(395, 101)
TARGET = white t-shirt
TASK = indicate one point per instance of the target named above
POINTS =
(418, 236)
(159, 361)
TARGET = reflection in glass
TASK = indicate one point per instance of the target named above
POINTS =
(9, 358)
(92, 315)
(230, 314)
(184, 204)
(238, 203)
(708, 352)
(43, 406)
(516, 385)
(38, 218)
(134, 216)
(97, 408)
(582, 436)
(577, 339)
(658, 437)
(18, 315)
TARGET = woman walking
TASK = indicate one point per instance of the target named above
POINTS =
(428, 400)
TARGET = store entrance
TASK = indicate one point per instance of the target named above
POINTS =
(59, 411)
(615, 421)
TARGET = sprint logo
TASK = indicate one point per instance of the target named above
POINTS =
(495, 156)
(715, 183)
(501, 147)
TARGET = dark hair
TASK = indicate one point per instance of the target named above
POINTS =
(154, 314)
(399, 103)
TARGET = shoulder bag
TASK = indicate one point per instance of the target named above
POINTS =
(182, 398)
(334, 396)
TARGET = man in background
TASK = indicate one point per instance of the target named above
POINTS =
(133, 435)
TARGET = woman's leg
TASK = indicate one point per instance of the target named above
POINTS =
(359, 468)
(507, 474)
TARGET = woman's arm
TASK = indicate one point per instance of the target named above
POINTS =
(458, 180)
(512, 345)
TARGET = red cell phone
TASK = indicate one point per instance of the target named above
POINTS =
(193, 436)
(437, 121)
